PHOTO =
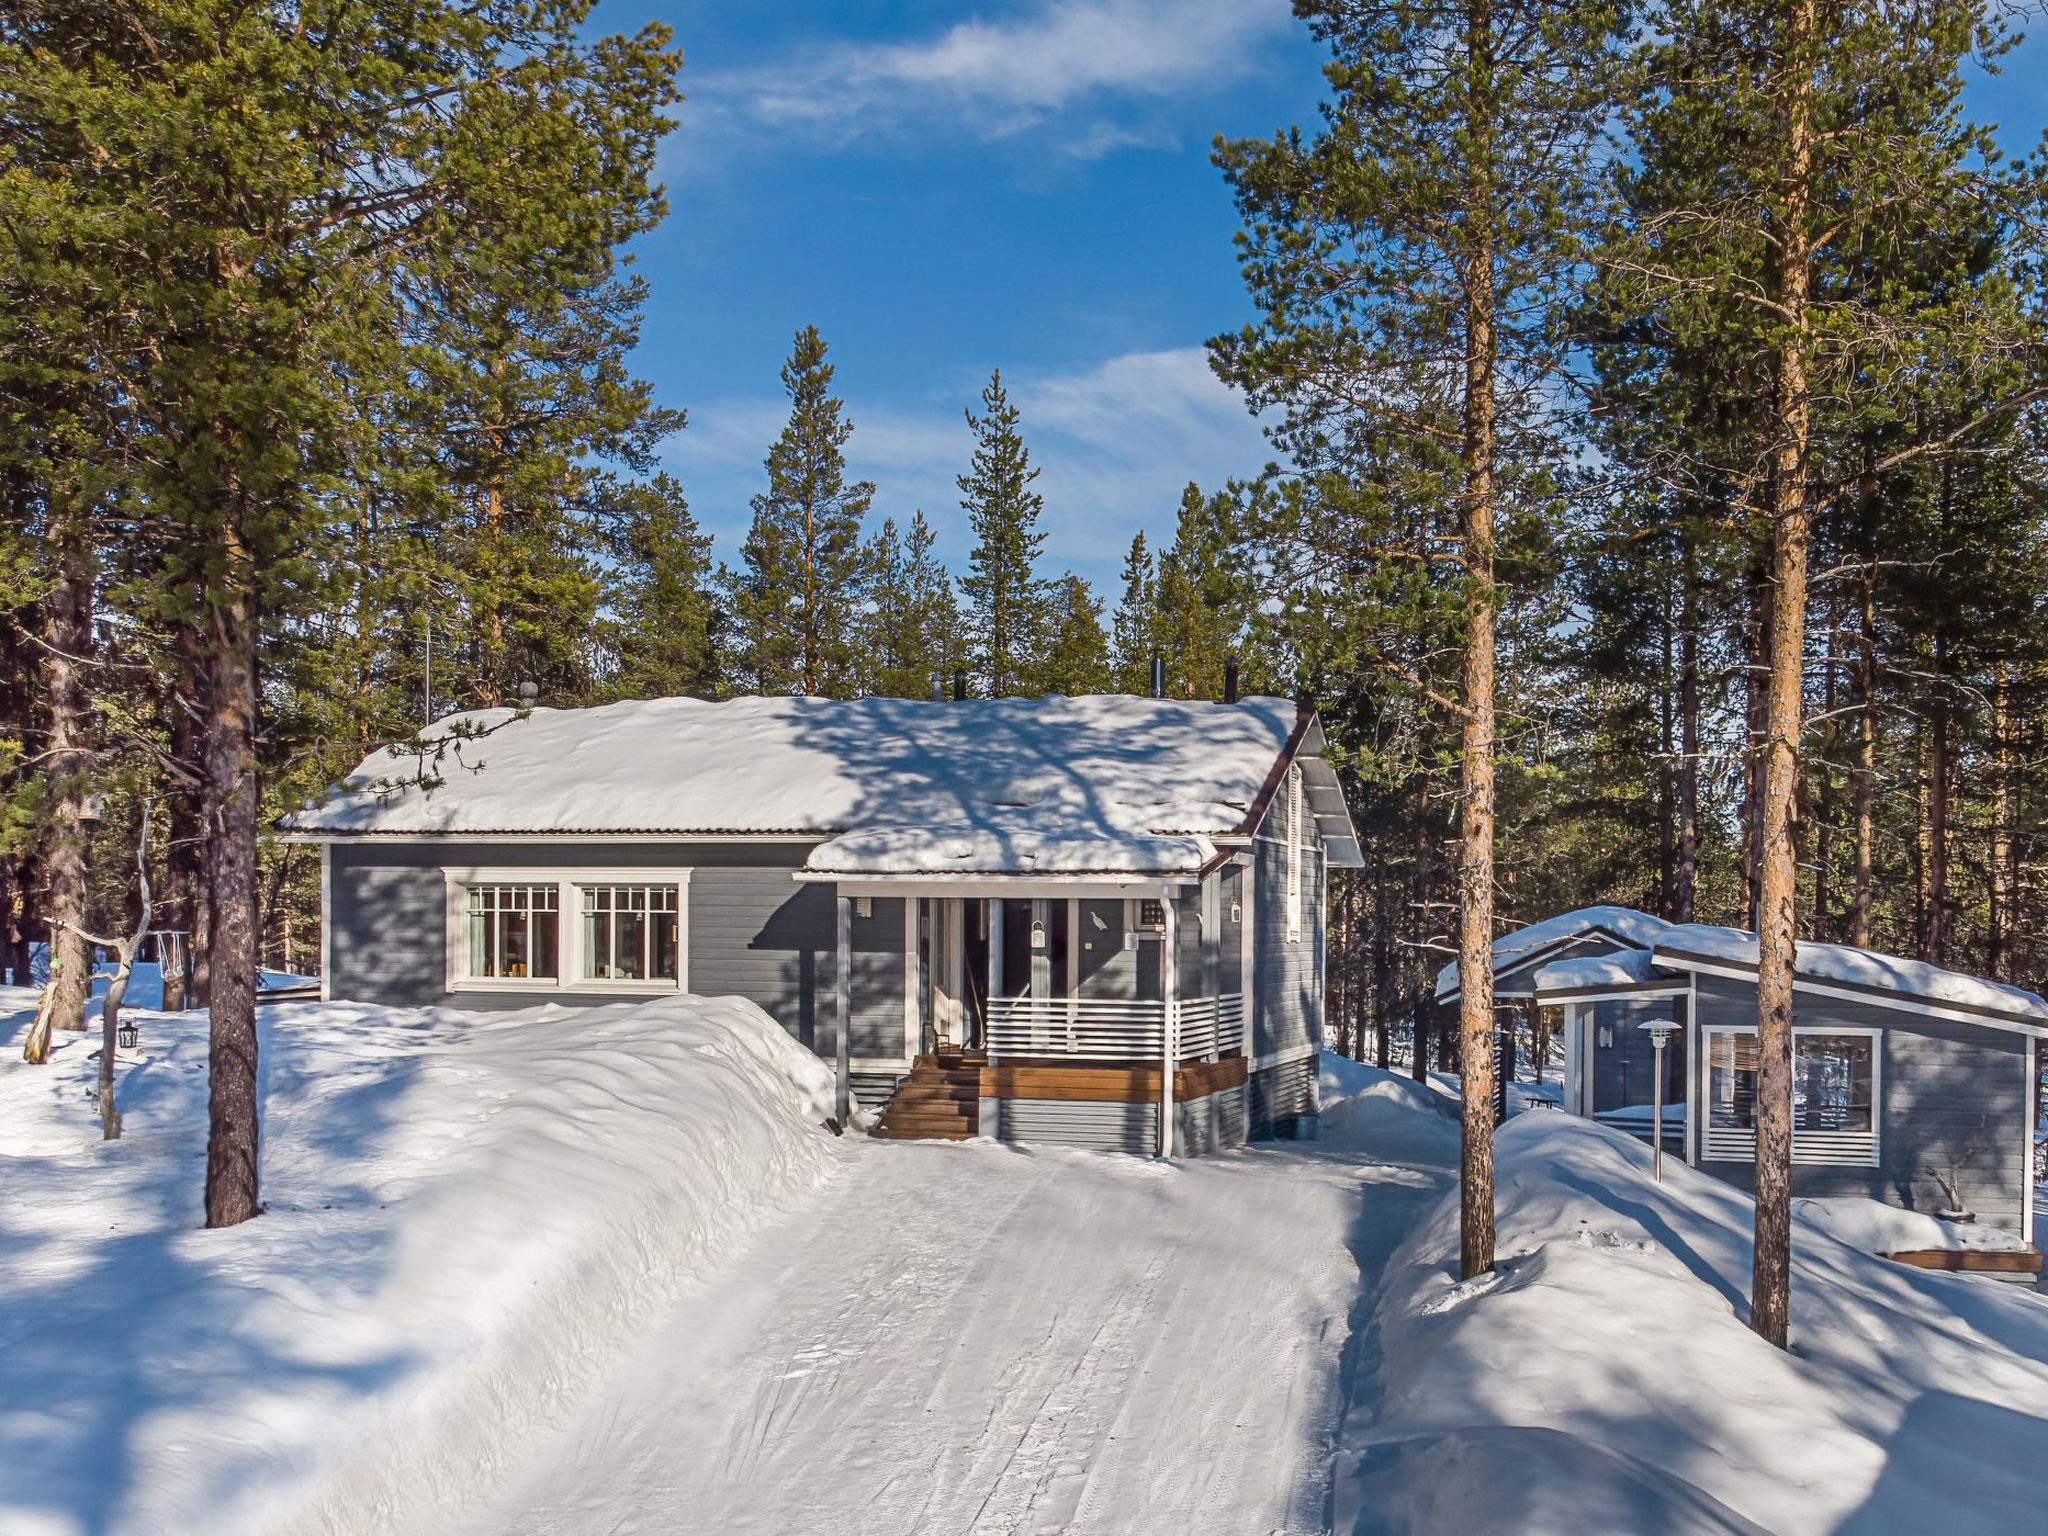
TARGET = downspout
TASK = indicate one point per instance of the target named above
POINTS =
(1169, 1009)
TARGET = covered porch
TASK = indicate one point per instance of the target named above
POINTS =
(1093, 1010)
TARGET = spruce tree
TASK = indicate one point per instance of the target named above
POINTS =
(1199, 601)
(662, 635)
(1134, 628)
(912, 631)
(803, 575)
(1076, 656)
(1007, 606)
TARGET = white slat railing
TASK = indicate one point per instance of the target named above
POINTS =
(1732, 1144)
(1112, 1029)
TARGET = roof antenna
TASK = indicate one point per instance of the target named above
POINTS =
(959, 684)
(1158, 676)
(1230, 680)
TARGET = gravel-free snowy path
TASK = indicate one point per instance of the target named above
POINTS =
(979, 1339)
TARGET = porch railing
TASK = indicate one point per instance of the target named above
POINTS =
(1113, 1029)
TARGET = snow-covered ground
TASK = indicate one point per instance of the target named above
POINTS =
(469, 1218)
(1604, 1379)
(562, 1272)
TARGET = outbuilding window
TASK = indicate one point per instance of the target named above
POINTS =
(1836, 1075)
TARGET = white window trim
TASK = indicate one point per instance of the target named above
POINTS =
(569, 884)
(1841, 1149)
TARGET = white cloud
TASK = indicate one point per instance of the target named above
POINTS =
(1115, 443)
(992, 77)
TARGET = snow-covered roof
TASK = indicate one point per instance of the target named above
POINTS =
(1623, 968)
(1625, 925)
(1860, 969)
(1104, 783)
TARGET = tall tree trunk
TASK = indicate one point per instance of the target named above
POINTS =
(67, 760)
(1938, 786)
(2001, 823)
(1667, 777)
(1421, 990)
(228, 759)
(1771, 1284)
(1864, 776)
(1923, 841)
(1475, 751)
(1824, 798)
(1385, 980)
(1756, 730)
(1687, 877)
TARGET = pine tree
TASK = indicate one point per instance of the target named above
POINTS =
(801, 584)
(1770, 224)
(1076, 657)
(1410, 263)
(1007, 608)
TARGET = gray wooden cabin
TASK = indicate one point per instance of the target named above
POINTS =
(1913, 1085)
(1065, 920)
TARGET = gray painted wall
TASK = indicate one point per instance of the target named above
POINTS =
(754, 932)
(1212, 1123)
(1099, 1127)
(1948, 1091)
(1287, 980)
(1279, 1093)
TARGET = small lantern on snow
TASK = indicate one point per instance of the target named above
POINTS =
(129, 1034)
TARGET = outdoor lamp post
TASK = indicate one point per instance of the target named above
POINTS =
(1660, 1036)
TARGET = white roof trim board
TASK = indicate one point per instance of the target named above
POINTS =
(1107, 785)
(1838, 970)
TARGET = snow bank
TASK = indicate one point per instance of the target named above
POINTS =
(1603, 1379)
(1623, 923)
(1103, 765)
(1393, 1117)
(1858, 967)
(1874, 1227)
(468, 1217)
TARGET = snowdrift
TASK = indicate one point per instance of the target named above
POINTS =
(468, 1218)
(1604, 1379)
(1365, 1108)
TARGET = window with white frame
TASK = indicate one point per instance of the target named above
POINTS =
(1294, 842)
(596, 929)
(514, 931)
(631, 933)
(1836, 1080)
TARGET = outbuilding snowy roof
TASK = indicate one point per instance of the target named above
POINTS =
(1625, 925)
(1104, 783)
(1857, 969)
(1683, 947)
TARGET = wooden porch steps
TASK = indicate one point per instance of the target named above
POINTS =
(939, 1101)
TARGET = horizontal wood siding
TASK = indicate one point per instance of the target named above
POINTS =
(1213, 1123)
(1949, 1091)
(1624, 1073)
(1101, 1127)
(1286, 984)
(753, 931)
(1279, 1093)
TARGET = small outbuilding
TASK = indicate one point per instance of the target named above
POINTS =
(1912, 1084)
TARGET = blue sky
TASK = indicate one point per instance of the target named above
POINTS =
(948, 188)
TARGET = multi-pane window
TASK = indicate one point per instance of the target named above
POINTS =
(514, 931)
(631, 933)
(1834, 1095)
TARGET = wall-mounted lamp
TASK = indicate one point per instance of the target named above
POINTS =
(863, 906)
(1037, 934)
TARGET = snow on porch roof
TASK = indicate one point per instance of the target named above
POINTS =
(1623, 924)
(1002, 773)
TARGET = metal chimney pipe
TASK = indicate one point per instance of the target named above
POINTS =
(1230, 680)
(1158, 676)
